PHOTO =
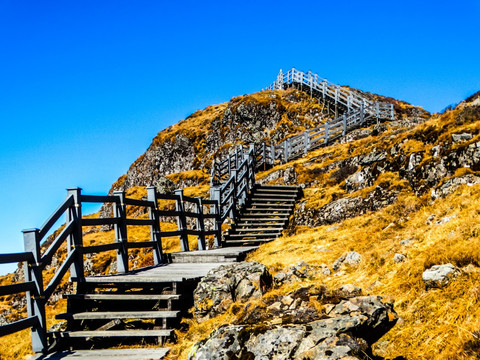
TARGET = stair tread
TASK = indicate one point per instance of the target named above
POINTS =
(249, 235)
(122, 296)
(254, 241)
(246, 217)
(105, 354)
(115, 333)
(268, 209)
(94, 315)
(258, 229)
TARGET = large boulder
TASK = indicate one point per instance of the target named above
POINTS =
(229, 283)
(283, 328)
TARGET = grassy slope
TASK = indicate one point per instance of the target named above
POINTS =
(434, 324)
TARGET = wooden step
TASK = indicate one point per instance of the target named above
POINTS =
(105, 354)
(275, 195)
(114, 333)
(257, 225)
(267, 209)
(256, 205)
(248, 241)
(257, 217)
(121, 297)
(259, 230)
(237, 236)
(100, 315)
(263, 199)
(281, 187)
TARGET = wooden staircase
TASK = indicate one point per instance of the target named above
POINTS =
(264, 216)
(121, 313)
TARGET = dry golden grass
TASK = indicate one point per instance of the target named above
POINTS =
(434, 324)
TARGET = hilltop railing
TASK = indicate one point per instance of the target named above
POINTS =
(225, 181)
(190, 213)
(340, 96)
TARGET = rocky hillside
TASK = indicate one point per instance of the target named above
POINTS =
(184, 152)
(390, 210)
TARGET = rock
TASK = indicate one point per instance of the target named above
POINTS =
(165, 185)
(229, 283)
(439, 276)
(414, 160)
(359, 180)
(351, 258)
(290, 176)
(445, 219)
(346, 330)
(373, 157)
(398, 258)
(349, 291)
(449, 186)
(406, 241)
(299, 272)
(461, 137)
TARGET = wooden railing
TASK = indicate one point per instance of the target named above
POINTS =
(239, 170)
(190, 213)
(322, 88)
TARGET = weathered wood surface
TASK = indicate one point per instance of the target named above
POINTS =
(119, 315)
(117, 354)
(166, 273)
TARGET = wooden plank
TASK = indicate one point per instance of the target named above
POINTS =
(60, 273)
(100, 221)
(99, 198)
(18, 325)
(122, 297)
(17, 288)
(15, 257)
(55, 216)
(140, 244)
(101, 248)
(52, 249)
(106, 354)
(100, 315)
(139, 222)
(135, 202)
(114, 333)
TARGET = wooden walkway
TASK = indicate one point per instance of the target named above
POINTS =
(187, 267)
(115, 354)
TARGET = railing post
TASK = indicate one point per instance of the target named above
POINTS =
(264, 151)
(362, 113)
(306, 142)
(120, 212)
(272, 153)
(344, 120)
(234, 196)
(200, 224)
(218, 224)
(75, 239)
(155, 233)
(285, 150)
(35, 301)
(327, 133)
(182, 220)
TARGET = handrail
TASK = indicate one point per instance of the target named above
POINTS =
(36, 258)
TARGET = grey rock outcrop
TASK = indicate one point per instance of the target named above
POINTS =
(345, 330)
(229, 283)
(439, 276)
(451, 185)
(351, 258)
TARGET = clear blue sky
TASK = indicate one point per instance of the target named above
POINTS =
(86, 85)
